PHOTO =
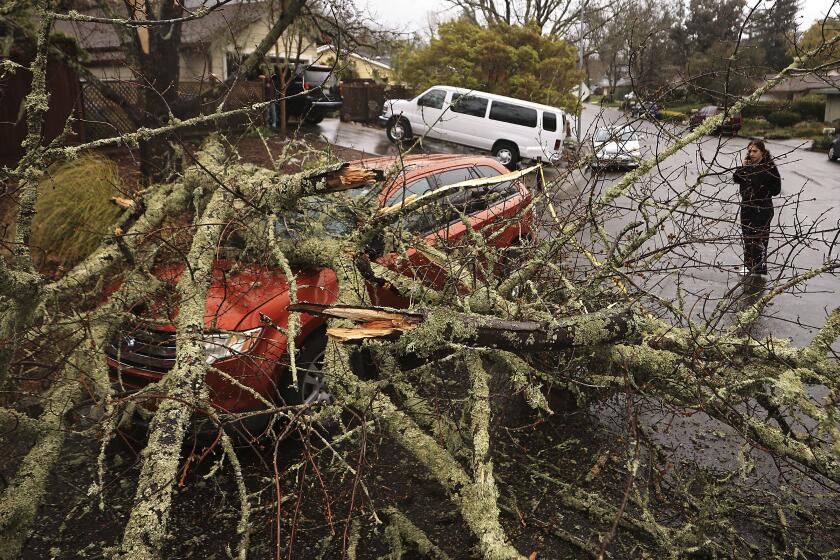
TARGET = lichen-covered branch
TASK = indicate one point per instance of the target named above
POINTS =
(22, 498)
(184, 386)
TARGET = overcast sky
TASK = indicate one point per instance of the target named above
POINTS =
(413, 15)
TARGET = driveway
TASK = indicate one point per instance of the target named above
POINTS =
(706, 267)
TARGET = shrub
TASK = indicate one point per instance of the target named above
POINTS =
(763, 109)
(755, 127)
(669, 115)
(74, 210)
(811, 107)
(784, 118)
(822, 144)
(810, 129)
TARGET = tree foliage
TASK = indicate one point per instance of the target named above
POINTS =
(820, 33)
(513, 60)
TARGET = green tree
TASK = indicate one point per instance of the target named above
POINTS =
(718, 74)
(512, 60)
(773, 29)
(712, 21)
(820, 33)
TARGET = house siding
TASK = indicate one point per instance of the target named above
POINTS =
(832, 107)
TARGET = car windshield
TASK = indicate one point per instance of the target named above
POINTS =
(628, 136)
(603, 135)
(607, 135)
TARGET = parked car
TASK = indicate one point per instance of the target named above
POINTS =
(509, 128)
(313, 93)
(615, 147)
(731, 125)
(834, 149)
(247, 304)
(645, 109)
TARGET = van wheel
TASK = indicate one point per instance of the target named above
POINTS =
(832, 155)
(507, 153)
(398, 131)
(311, 387)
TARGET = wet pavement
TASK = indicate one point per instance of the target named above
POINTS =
(706, 261)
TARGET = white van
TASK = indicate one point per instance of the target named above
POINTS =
(509, 128)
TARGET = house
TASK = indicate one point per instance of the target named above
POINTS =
(361, 67)
(211, 46)
(795, 87)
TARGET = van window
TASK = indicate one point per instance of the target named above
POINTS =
(549, 122)
(469, 105)
(514, 114)
(433, 99)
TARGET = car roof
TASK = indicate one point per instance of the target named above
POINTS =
(616, 128)
(425, 162)
(497, 97)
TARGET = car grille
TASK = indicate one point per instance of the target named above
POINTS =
(152, 351)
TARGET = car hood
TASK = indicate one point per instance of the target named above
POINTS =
(396, 105)
(239, 295)
(616, 148)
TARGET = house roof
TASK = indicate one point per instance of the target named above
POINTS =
(226, 19)
(358, 56)
(825, 83)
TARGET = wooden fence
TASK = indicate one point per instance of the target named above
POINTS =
(363, 100)
(63, 88)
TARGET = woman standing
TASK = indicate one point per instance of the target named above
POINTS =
(759, 182)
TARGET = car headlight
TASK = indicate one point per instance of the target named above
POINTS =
(218, 346)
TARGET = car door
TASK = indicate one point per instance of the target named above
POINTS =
(438, 223)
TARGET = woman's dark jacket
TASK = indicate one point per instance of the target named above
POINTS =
(758, 183)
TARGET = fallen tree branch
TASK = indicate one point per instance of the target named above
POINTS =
(475, 330)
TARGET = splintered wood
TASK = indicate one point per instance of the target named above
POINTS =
(351, 177)
(374, 323)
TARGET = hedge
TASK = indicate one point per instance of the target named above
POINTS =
(784, 118)
(810, 107)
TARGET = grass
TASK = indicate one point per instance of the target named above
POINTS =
(74, 211)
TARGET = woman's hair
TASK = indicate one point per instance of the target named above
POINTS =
(765, 153)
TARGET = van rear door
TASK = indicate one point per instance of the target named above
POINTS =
(554, 126)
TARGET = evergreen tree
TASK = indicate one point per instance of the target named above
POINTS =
(773, 29)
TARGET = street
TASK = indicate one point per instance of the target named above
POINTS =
(705, 234)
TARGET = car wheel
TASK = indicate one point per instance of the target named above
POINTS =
(507, 153)
(313, 119)
(832, 155)
(398, 131)
(311, 387)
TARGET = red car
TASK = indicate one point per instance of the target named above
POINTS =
(731, 125)
(247, 305)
